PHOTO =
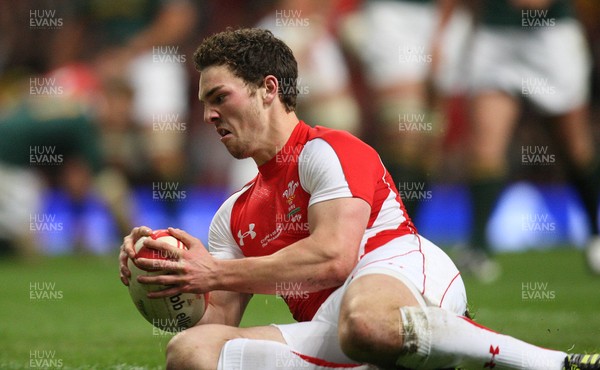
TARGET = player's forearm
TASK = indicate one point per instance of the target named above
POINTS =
(322, 260)
(225, 308)
(306, 263)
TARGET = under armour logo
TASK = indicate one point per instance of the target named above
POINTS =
(250, 233)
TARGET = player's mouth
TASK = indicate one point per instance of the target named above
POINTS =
(224, 133)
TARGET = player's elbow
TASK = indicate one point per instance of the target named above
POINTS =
(337, 260)
(339, 268)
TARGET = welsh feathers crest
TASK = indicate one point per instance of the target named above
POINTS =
(290, 192)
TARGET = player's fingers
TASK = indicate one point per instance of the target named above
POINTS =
(169, 292)
(187, 239)
(140, 231)
(124, 272)
(123, 263)
(166, 250)
(159, 264)
(134, 235)
(123, 257)
(165, 279)
(127, 249)
(124, 275)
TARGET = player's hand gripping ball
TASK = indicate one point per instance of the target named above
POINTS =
(175, 313)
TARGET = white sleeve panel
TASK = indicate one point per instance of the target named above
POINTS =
(221, 243)
(321, 173)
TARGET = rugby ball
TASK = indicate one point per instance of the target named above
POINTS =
(174, 313)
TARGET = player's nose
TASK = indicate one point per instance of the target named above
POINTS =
(211, 116)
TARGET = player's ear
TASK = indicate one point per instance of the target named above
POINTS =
(271, 89)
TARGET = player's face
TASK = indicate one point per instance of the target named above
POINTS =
(234, 109)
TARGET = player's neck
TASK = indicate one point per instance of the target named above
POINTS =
(280, 129)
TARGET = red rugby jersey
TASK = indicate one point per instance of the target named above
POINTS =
(315, 165)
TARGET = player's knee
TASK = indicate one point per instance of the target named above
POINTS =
(176, 351)
(375, 336)
(357, 334)
(179, 352)
(184, 353)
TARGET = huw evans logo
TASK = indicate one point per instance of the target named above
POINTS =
(44, 222)
(44, 19)
(537, 86)
(290, 18)
(45, 86)
(44, 290)
(44, 359)
(536, 155)
(290, 290)
(535, 18)
(414, 54)
(167, 54)
(167, 191)
(414, 190)
(535, 222)
(44, 155)
(536, 291)
(168, 122)
(413, 122)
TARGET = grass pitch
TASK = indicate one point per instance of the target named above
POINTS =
(73, 312)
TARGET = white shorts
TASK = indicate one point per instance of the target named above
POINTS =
(321, 64)
(418, 263)
(395, 44)
(20, 200)
(549, 66)
(159, 80)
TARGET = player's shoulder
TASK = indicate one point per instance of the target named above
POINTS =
(335, 137)
(340, 141)
(330, 133)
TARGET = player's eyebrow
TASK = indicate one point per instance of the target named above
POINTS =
(211, 92)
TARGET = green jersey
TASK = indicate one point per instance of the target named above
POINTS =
(43, 133)
(503, 13)
(115, 22)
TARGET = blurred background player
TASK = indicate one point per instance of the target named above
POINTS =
(532, 50)
(410, 51)
(122, 66)
(142, 45)
(325, 95)
(47, 140)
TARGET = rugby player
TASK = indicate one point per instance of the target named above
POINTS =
(321, 225)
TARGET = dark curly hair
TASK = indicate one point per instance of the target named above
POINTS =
(252, 54)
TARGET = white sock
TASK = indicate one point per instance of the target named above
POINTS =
(253, 354)
(242, 353)
(436, 338)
